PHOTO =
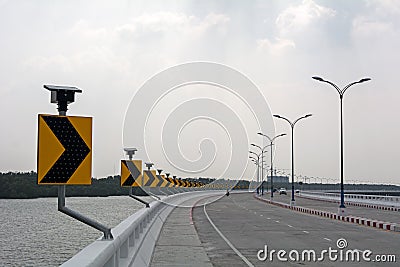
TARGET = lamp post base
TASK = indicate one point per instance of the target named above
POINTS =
(292, 203)
(342, 211)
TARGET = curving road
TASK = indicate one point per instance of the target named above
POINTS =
(234, 229)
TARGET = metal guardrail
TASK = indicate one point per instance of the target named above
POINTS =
(371, 199)
(134, 238)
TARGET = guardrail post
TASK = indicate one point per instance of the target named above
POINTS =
(132, 239)
(124, 249)
(137, 230)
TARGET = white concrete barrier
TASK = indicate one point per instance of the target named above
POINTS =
(391, 201)
(134, 238)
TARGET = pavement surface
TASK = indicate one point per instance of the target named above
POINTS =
(234, 229)
(364, 212)
(178, 243)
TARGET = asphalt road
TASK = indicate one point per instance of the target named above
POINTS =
(247, 225)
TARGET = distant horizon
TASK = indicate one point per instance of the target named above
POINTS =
(197, 177)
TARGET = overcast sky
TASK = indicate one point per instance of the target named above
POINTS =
(110, 48)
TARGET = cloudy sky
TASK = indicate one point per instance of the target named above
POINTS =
(110, 48)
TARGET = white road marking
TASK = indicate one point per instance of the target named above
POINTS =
(227, 241)
(261, 215)
(290, 226)
(277, 221)
(306, 232)
(327, 239)
(269, 218)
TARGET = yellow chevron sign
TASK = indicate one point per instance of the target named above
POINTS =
(64, 150)
(143, 180)
(131, 172)
(150, 178)
(165, 182)
(178, 182)
(170, 182)
(155, 182)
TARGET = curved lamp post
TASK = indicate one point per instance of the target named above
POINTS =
(292, 124)
(253, 159)
(262, 164)
(341, 94)
(258, 165)
(271, 140)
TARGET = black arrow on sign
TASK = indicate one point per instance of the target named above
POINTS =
(180, 182)
(169, 180)
(174, 181)
(134, 173)
(75, 151)
(129, 181)
(151, 178)
(160, 180)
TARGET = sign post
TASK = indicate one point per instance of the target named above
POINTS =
(132, 170)
(65, 151)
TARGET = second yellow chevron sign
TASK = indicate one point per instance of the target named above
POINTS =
(131, 172)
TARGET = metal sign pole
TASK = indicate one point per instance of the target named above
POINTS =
(130, 152)
(149, 165)
(63, 96)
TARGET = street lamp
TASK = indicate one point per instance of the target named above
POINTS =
(256, 161)
(262, 165)
(292, 124)
(341, 93)
(258, 167)
(271, 144)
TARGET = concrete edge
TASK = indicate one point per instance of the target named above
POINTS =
(145, 250)
(389, 226)
(356, 204)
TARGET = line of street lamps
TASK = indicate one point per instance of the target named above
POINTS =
(257, 162)
(262, 164)
(271, 144)
(341, 92)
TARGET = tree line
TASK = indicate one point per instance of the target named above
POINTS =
(24, 185)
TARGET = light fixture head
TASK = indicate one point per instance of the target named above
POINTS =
(318, 78)
(364, 80)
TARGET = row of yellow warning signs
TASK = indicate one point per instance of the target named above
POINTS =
(65, 157)
(131, 175)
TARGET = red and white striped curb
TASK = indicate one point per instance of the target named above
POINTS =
(351, 219)
(366, 205)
